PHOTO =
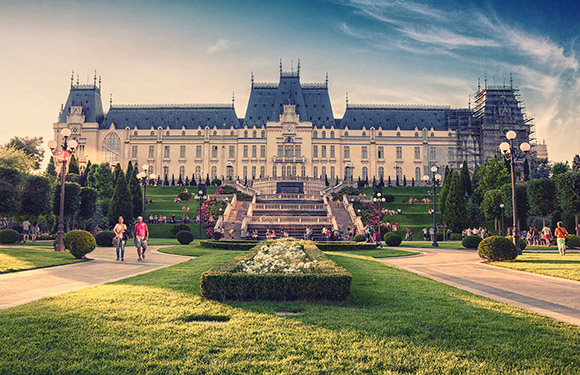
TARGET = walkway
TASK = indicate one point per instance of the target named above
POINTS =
(18, 288)
(463, 269)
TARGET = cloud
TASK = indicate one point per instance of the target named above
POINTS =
(220, 45)
(447, 38)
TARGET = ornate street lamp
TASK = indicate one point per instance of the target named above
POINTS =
(142, 176)
(509, 152)
(435, 180)
(62, 155)
(378, 199)
(200, 197)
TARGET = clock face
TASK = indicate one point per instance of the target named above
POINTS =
(75, 129)
(288, 129)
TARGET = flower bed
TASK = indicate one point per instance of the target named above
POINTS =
(345, 246)
(278, 270)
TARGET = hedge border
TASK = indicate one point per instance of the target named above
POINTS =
(330, 282)
(345, 246)
(228, 245)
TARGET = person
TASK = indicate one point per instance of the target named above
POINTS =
(173, 218)
(232, 233)
(120, 230)
(25, 230)
(425, 234)
(432, 233)
(561, 234)
(34, 231)
(141, 237)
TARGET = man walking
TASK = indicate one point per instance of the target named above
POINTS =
(25, 230)
(141, 237)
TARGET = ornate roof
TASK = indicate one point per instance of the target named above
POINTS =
(87, 96)
(391, 117)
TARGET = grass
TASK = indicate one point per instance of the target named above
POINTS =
(550, 264)
(394, 322)
(379, 253)
(163, 201)
(14, 259)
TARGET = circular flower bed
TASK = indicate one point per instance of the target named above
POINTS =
(279, 257)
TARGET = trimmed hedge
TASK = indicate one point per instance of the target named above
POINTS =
(497, 248)
(105, 239)
(178, 228)
(456, 237)
(345, 246)
(523, 242)
(471, 242)
(184, 237)
(572, 241)
(228, 245)
(328, 282)
(79, 243)
(9, 236)
(359, 238)
(393, 239)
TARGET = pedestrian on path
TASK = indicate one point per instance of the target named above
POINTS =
(121, 236)
(141, 237)
(25, 230)
(561, 234)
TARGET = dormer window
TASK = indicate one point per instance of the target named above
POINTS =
(152, 133)
(398, 134)
(183, 132)
(199, 132)
(364, 134)
(315, 135)
(332, 134)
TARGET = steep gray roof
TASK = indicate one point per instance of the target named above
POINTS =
(392, 117)
(87, 96)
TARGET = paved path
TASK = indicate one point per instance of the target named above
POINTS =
(18, 288)
(550, 296)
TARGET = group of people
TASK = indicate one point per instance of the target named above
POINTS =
(29, 231)
(481, 232)
(388, 212)
(160, 219)
(535, 237)
(415, 200)
(122, 235)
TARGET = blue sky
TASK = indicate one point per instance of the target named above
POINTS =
(405, 52)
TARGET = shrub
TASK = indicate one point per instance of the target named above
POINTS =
(9, 236)
(389, 198)
(217, 235)
(79, 243)
(228, 245)
(572, 241)
(359, 238)
(178, 228)
(456, 237)
(394, 240)
(327, 282)
(523, 242)
(345, 246)
(388, 234)
(184, 237)
(184, 196)
(496, 248)
(471, 242)
(105, 239)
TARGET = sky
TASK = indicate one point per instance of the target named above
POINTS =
(377, 51)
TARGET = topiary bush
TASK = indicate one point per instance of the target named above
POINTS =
(471, 242)
(388, 234)
(183, 196)
(393, 239)
(523, 242)
(497, 248)
(389, 198)
(105, 239)
(217, 235)
(79, 243)
(9, 236)
(456, 237)
(572, 241)
(359, 238)
(184, 237)
(178, 228)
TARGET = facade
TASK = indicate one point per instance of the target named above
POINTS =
(290, 130)
(540, 149)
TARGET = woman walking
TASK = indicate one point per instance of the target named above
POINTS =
(561, 234)
(121, 237)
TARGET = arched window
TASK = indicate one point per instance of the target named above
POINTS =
(198, 172)
(183, 132)
(283, 171)
(198, 132)
(213, 172)
(232, 132)
(262, 172)
(398, 134)
(323, 172)
(274, 172)
(254, 134)
(263, 134)
(112, 148)
(332, 172)
(399, 172)
(245, 171)
(315, 172)
(323, 134)
(182, 172)
(365, 173)
(417, 174)
(332, 134)
(214, 132)
(253, 172)
(245, 134)
(303, 171)
(152, 133)
(315, 134)
(135, 134)
(416, 135)
(346, 134)
(432, 134)
(165, 172)
(381, 173)
(364, 134)
(293, 170)
(167, 133)
(380, 134)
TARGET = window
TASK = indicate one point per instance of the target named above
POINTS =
(381, 152)
(153, 133)
(398, 134)
(245, 152)
(263, 151)
(198, 132)
(399, 152)
(245, 171)
(303, 171)
(346, 134)
(346, 152)
(280, 151)
(274, 171)
(450, 153)
(315, 172)
(245, 134)
(416, 135)
(380, 134)
(315, 135)
(167, 133)
(198, 172)
(254, 134)
(253, 172)
(165, 172)
(289, 151)
(232, 152)
(213, 172)
(182, 172)
(417, 174)
(135, 134)
(364, 134)
(323, 151)
(182, 152)
(134, 152)
(332, 172)
(332, 152)
(263, 134)
(294, 170)
(433, 153)
(364, 152)
(365, 173)
(283, 171)
(151, 152)
(262, 171)
(214, 152)
(297, 152)
(323, 172)
(232, 133)
(214, 132)
(315, 151)
(323, 134)
(381, 173)
(112, 148)
(417, 153)
(399, 172)
(198, 152)
(332, 134)
(254, 151)
(166, 153)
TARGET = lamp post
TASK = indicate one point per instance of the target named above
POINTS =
(435, 180)
(62, 154)
(509, 152)
(200, 197)
(142, 176)
(378, 199)
(501, 207)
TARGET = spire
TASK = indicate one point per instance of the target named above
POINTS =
(72, 78)
(280, 66)
(298, 67)
(469, 102)
(478, 84)
(511, 81)
(77, 80)
(252, 79)
(347, 100)
(99, 82)
(95, 80)
(233, 98)
(485, 79)
(326, 80)
(110, 101)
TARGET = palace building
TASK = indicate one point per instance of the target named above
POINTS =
(289, 129)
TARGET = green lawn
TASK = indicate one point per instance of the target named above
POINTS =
(163, 201)
(455, 245)
(14, 259)
(551, 264)
(394, 322)
(380, 253)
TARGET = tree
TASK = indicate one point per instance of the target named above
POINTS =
(121, 203)
(576, 163)
(73, 165)
(556, 216)
(9, 191)
(559, 168)
(444, 190)
(490, 204)
(526, 170)
(492, 175)
(455, 211)
(102, 180)
(50, 171)
(568, 194)
(465, 179)
(180, 181)
(541, 197)
(88, 203)
(187, 181)
(13, 158)
(72, 201)
(404, 180)
(207, 183)
(539, 168)
(36, 196)
(521, 200)
(116, 173)
(32, 147)
(136, 192)
(326, 180)
(172, 180)
(166, 181)
(129, 171)
(193, 180)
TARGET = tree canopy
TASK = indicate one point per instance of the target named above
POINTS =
(32, 147)
(541, 197)
(492, 175)
(17, 159)
(9, 191)
(121, 203)
(36, 196)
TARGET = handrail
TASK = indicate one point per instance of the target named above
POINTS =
(289, 220)
(356, 220)
(244, 228)
(219, 224)
(230, 207)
